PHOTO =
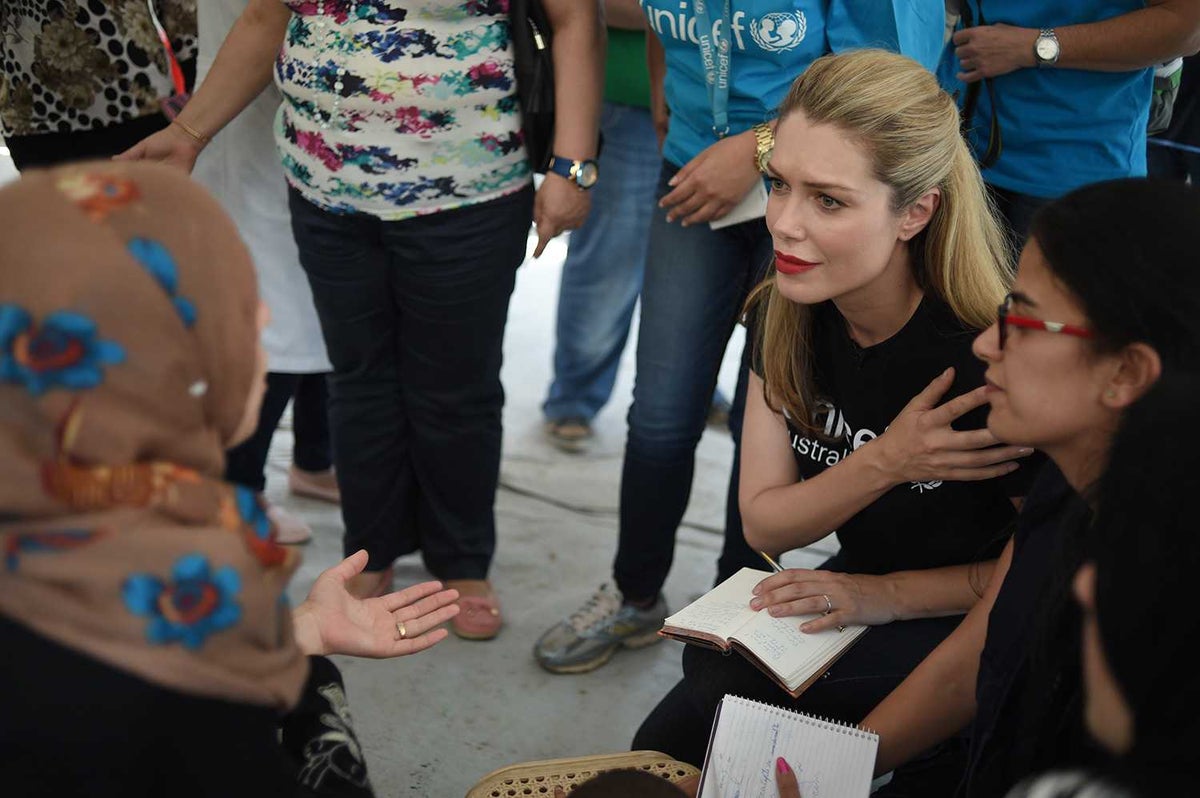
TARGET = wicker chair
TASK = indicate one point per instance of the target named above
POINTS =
(539, 778)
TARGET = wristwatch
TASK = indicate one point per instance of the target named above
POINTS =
(1045, 48)
(764, 142)
(583, 173)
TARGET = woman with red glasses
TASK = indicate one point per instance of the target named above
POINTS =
(1106, 299)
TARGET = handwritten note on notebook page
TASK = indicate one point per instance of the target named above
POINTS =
(831, 760)
(723, 610)
(723, 618)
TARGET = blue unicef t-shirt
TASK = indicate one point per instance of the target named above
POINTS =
(1060, 128)
(772, 41)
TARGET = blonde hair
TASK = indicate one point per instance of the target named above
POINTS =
(909, 128)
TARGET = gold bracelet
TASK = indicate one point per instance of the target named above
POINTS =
(191, 131)
(764, 142)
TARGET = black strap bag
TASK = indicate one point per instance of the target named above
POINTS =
(530, 31)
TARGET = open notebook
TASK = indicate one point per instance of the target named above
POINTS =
(722, 619)
(830, 760)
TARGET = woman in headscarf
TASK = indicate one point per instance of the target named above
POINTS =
(148, 640)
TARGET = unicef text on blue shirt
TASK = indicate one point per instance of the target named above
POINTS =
(776, 31)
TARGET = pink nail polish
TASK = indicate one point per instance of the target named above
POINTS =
(756, 604)
(781, 766)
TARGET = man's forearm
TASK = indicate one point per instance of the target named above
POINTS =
(1131, 41)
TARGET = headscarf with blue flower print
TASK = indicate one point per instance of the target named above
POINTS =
(127, 353)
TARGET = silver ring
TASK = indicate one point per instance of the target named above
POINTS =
(828, 604)
(400, 628)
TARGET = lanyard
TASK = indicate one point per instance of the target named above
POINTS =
(173, 62)
(715, 55)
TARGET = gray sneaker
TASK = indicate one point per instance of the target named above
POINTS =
(587, 639)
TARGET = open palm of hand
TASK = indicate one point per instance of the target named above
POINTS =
(339, 623)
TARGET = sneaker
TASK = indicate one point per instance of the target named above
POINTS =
(289, 529)
(587, 639)
(569, 434)
(314, 484)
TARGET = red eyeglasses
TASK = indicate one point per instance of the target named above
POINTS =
(1004, 318)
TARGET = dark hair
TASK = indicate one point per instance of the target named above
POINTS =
(1146, 550)
(627, 783)
(1128, 250)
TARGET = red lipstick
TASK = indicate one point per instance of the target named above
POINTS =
(788, 264)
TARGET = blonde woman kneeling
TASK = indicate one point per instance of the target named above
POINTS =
(864, 411)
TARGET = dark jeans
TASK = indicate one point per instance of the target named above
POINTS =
(1017, 210)
(695, 284)
(310, 429)
(413, 316)
(866, 673)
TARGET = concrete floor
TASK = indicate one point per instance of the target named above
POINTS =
(434, 724)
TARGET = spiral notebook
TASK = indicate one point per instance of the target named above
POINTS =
(830, 760)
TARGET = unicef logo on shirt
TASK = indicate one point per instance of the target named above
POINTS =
(779, 31)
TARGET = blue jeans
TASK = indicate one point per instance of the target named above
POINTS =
(695, 285)
(602, 275)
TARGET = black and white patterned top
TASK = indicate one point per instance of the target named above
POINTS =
(84, 64)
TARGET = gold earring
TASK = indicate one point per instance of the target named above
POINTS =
(1110, 394)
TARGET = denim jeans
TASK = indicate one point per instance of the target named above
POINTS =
(602, 275)
(413, 316)
(695, 285)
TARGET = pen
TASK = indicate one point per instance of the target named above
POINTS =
(774, 565)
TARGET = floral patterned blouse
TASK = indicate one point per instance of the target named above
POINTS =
(84, 64)
(398, 108)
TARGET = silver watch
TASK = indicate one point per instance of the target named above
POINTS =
(1045, 48)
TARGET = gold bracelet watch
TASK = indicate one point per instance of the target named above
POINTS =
(764, 139)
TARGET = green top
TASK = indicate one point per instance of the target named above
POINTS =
(626, 79)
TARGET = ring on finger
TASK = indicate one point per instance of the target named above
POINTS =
(828, 603)
(403, 632)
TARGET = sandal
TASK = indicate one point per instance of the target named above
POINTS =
(479, 614)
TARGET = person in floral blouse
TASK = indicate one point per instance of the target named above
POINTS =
(411, 196)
